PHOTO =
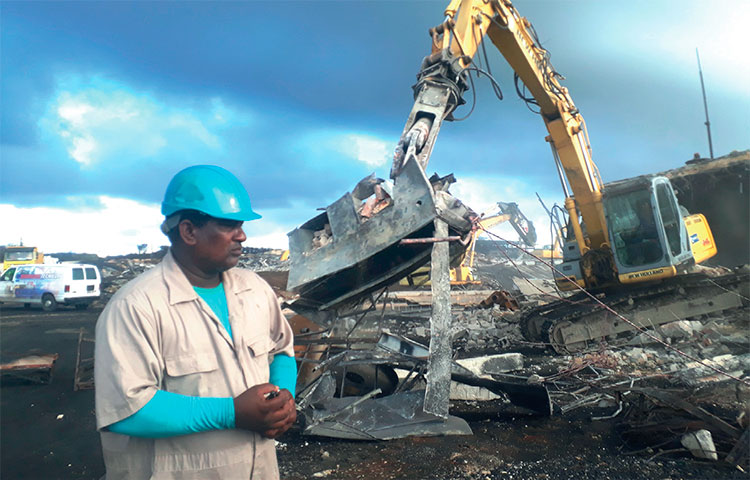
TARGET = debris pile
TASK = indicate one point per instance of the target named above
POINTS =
(263, 260)
(119, 270)
(633, 380)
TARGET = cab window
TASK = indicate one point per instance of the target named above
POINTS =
(8, 275)
(90, 274)
(77, 274)
(634, 228)
(670, 217)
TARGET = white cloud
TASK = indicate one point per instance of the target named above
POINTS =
(482, 195)
(195, 128)
(116, 228)
(72, 111)
(665, 41)
(82, 148)
(98, 120)
(371, 151)
(368, 149)
(326, 146)
(718, 37)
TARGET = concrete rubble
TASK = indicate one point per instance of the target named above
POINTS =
(117, 271)
(700, 444)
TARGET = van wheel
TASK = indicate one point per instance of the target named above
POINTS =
(82, 306)
(49, 304)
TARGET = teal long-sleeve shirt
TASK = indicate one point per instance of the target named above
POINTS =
(169, 414)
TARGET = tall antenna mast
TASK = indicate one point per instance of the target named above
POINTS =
(705, 106)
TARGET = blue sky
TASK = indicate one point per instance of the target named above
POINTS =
(102, 102)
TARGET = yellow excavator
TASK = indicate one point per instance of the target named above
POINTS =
(463, 273)
(620, 235)
(19, 255)
(551, 252)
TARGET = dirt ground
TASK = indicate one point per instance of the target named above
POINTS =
(48, 432)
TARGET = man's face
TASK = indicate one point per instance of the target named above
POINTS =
(218, 245)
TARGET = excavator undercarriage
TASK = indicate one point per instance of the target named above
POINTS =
(581, 321)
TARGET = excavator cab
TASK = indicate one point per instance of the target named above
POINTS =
(648, 236)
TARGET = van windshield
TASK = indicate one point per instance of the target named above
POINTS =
(8, 275)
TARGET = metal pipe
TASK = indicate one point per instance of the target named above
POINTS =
(705, 106)
(410, 241)
(452, 238)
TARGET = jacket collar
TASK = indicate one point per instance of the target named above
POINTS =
(180, 289)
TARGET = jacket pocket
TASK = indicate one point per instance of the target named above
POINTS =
(189, 364)
(259, 346)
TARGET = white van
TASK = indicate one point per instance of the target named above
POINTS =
(50, 285)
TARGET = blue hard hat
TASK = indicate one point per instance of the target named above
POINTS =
(209, 189)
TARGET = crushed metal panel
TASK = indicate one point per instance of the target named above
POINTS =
(395, 416)
(361, 255)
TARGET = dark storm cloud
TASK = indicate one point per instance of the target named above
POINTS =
(298, 67)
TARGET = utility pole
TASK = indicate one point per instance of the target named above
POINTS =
(705, 106)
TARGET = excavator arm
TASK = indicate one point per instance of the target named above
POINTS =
(508, 212)
(442, 81)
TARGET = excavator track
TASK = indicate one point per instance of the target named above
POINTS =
(578, 322)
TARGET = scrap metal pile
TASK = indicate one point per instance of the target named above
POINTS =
(365, 378)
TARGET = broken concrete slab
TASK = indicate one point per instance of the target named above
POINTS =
(695, 372)
(460, 391)
(700, 443)
(493, 364)
(677, 330)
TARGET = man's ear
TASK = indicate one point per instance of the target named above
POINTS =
(187, 232)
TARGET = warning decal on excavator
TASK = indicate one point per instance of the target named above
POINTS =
(694, 238)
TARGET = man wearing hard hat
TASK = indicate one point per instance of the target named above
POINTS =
(194, 362)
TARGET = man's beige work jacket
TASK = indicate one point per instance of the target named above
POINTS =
(157, 333)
